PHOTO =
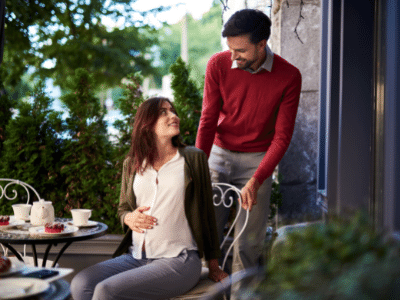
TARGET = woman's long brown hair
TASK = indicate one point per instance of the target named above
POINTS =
(143, 141)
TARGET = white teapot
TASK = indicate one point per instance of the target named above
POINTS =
(42, 213)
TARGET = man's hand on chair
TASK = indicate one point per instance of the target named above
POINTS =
(215, 272)
(249, 193)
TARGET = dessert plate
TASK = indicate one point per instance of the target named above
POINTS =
(40, 231)
(13, 222)
(16, 266)
(21, 288)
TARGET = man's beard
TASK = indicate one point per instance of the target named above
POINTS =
(246, 65)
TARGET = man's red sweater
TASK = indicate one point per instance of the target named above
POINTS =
(249, 112)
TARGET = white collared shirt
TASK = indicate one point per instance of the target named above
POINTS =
(267, 64)
(164, 193)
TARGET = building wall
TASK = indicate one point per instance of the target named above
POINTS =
(299, 165)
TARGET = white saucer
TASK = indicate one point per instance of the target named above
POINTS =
(24, 219)
(13, 288)
(89, 224)
(13, 222)
(40, 231)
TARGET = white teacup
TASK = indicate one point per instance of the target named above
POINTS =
(81, 216)
(21, 211)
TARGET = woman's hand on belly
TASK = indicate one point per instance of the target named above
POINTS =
(137, 220)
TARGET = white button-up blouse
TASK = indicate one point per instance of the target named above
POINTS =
(163, 192)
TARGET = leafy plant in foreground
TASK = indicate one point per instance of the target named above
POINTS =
(343, 259)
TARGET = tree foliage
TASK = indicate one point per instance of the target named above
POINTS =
(6, 104)
(204, 39)
(70, 34)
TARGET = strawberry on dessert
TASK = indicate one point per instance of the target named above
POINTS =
(4, 220)
(54, 228)
(5, 264)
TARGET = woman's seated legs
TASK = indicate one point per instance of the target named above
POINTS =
(84, 283)
(158, 279)
(146, 279)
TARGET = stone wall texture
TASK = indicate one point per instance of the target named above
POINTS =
(299, 165)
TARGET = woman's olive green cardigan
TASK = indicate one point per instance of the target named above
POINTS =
(199, 207)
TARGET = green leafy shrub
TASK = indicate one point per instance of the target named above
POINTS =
(128, 104)
(86, 161)
(187, 101)
(343, 259)
(5, 114)
(276, 197)
(33, 148)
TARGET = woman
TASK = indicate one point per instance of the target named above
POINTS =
(167, 212)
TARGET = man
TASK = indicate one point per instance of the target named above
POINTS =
(250, 103)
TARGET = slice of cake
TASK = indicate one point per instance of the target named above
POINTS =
(5, 264)
(4, 220)
(54, 227)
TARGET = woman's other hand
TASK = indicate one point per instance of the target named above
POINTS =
(137, 220)
(215, 273)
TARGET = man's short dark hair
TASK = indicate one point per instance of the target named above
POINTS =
(248, 21)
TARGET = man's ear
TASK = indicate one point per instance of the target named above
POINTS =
(262, 44)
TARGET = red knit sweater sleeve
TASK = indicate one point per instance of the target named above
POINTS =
(284, 127)
(211, 107)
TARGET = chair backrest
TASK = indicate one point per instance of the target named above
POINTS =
(13, 182)
(224, 195)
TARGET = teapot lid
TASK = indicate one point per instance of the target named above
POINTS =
(42, 202)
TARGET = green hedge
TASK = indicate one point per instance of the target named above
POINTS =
(70, 162)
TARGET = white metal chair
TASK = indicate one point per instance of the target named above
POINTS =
(206, 286)
(3, 193)
(11, 182)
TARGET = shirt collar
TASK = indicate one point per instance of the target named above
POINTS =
(267, 64)
(176, 157)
